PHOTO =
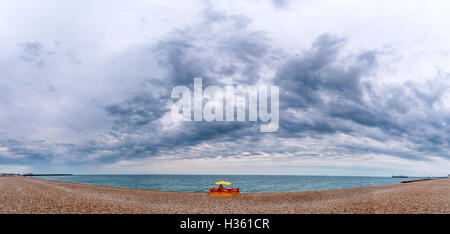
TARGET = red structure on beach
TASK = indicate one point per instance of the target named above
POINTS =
(220, 191)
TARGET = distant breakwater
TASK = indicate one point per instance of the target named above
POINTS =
(47, 174)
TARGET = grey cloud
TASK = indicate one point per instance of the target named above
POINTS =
(33, 49)
(280, 3)
(184, 55)
(317, 84)
(139, 110)
(307, 81)
(303, 78)
(327, 93)
(32, 53)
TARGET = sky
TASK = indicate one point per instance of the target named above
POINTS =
(85, 86)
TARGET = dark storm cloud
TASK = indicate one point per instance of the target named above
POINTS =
(307, 81)
(325, 88)
(307, 78)
(362, 115)
(327, 92)
(139, 110)
(23, 152)
(184, 56)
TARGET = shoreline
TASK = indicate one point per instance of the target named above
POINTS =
(271, 192)
(207, 192)
(20, 194)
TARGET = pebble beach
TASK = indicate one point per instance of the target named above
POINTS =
(25, 195)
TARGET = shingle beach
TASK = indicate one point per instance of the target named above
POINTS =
(20, 194)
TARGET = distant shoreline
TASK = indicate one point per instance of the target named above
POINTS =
(247, 184)
(402, 182)
(20, 194)
(47, 175)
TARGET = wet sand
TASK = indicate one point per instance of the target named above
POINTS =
(31, 195)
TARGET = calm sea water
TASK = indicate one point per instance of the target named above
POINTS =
(246, 183)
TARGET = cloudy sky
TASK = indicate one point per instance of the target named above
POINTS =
(364, 86)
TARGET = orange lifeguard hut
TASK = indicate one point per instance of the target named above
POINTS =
(220, 191)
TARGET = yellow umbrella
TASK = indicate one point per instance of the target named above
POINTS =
(223, 182)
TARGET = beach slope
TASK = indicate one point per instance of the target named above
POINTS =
(30, 195)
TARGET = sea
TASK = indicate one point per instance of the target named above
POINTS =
(246, 183)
